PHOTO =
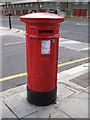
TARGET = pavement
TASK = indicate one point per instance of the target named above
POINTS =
(6, 31)
(72, 94)
(72, 98)
(77, 18)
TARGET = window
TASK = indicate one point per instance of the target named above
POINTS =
(26, 5)
(31, 4)
(40, 5)
(76, 1)
(22, 5)
(35, 4)
(84, 1)
(51, 4)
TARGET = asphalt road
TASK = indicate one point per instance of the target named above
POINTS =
(75, 30)
(14, 55)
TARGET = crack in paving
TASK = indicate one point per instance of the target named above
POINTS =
(78, 89)
(10, 109)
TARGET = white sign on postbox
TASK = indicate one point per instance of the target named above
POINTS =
(45, 47)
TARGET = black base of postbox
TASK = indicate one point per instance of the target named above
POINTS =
(41, 98)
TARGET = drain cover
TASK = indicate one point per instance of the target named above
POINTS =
(82, 80)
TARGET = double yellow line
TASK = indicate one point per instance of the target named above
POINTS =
(74, 61)
(59, 65)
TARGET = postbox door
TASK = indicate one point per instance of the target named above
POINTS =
(42, 60)
(49, 61)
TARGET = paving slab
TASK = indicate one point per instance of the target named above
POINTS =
(76, 106)
(23, 95)
(7, 31)
(50, 112)
(84, 95)
(13, 91)
(88, 90)
(63, 91)
(69, 103)
(59, 114)
(61, 75)
(21, 33)
(77, 70)
(71, 74)
(0, 109)
(19, 106)
(6, 113)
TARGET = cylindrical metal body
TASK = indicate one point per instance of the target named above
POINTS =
(42, 38)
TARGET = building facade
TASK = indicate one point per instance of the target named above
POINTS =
(18, 8)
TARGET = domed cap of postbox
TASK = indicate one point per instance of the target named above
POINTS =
(41, 17)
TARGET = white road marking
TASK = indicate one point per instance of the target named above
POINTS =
(74, 45)
(86, 48)
(67, 43)
(14, 43)
(81, 24)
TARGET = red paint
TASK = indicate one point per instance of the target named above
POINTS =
(25, 12)
(77, 12)
(1, 12)
(83, 12)
(43, 10)
(18, 12)
(42, 68)
(33, 11)
(10, 11)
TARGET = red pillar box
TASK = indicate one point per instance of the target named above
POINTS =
(42, 38)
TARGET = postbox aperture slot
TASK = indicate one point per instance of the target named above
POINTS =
(45, 31)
